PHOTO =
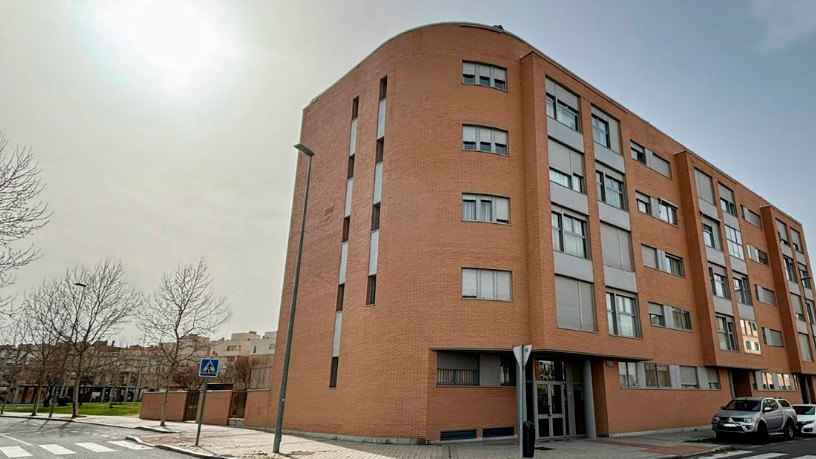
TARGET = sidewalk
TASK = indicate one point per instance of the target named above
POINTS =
(226, 441)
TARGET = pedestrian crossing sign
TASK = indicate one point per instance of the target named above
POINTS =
(208, 368)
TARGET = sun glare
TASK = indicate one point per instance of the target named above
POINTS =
(170, 43)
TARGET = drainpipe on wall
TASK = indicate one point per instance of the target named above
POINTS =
(589, 400)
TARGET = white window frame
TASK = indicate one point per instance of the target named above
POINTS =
(499, 205)
(497, 76)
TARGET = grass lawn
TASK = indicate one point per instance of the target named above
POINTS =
(96, 409)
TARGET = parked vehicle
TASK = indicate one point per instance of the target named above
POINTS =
(758, 416)
(805, 418)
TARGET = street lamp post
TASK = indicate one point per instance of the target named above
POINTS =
(285, 374)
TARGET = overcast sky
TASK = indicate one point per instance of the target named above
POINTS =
(164, 129)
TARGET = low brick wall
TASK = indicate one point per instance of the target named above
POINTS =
(217, 409)
(152, 406)
(257, 409)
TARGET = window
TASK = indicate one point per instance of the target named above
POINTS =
(785, 382)
(725, 332)
(574, 182)
(487, 284)
(575, 305)
(782, 231)
(734, 239)
(688, 377)
(751, 217)
(600, 131)
(569, 235)
(566, 166)
(485, 208)
(457, 369)
(796, 240)
(742, 288)
(768, 381)
(562, 104)
(484, 139)
(681, 319)
(727, 203)
(674, 264)
(644, 204)
(719, 283)
(638, 153)
(657, 316)
(350, 171)
(804, 347)
(484, 75)
(649, 256)
(341, 293)
(508, 371)
(622, 314)
(713, 378)
(790, 271)
(383, 87)
(750, 336)
(705, 190)
(371, 292)
(811, 312)
(708, 235)
(798, 308)
(355, 107)
(628, 374)
(772, 337)
(804, 276)
(661, 166)
(666, 212)
(657, 375)
(757, 255)
(380, 149)
(333, 372)
(610, 189)
(346, 228)
(616, 245)
(375, 217)
(765, 295)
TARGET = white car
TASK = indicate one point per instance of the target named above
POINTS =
(805, 418)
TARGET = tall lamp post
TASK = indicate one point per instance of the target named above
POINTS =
(285, 374)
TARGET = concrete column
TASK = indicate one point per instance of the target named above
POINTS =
(589, 400)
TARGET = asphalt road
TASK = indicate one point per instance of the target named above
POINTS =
(38, 438)
(775, 448)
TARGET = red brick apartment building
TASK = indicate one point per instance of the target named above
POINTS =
(470, 194)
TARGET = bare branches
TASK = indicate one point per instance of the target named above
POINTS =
(21, 213)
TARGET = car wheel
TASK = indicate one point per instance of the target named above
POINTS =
(788, 431)
(762, 432)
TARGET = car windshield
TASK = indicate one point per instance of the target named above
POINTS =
(743, 405)
(804, 410)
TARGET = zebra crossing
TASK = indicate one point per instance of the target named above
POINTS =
(745, 454)
(82, 448)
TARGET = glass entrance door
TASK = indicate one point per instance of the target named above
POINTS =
(550, 410)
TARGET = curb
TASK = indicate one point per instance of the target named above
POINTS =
(93, 423)
(176, 449)
(721, 449)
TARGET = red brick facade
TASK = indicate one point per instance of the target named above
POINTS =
(387, 368)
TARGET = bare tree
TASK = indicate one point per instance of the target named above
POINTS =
(240, 375)
(186, 377)
(98, 301)
(43, 311)
(17, 355)
(179, 315)
(21, 213)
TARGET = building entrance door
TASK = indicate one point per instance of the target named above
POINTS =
(551, 408)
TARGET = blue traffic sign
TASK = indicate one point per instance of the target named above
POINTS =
(208, 368)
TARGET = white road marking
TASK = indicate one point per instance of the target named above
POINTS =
(765, 456)
(12, 438)
(95, 448)
(14, 451)
(57, 449)
(728, 454)
(129, 444)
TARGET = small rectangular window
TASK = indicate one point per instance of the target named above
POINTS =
(705, 189)
(371, 293)
(790, 270)
(782, 231)
(622, 315)
(657, 316)
(341, 293)
(727, 202)
(644, 203)
(674, 265)
(742, 288)
(667, 212)
(773, 337)
(734, 238)
(484, 75)
(355, 106)
(489, 140)
(649, 256)
(638, 152)
(796, 240)
(726, 332)
(757, 255)
(804, 347)
(333, 372)
(750, 336)
(350, 173)
(661, 166)
(346, 228)
(569, 235)
(713, 378)
(688, 377)
(610, 190)
(804, 276)
(600, 131)
(751, 217)
(628, 374)
(657, 375)
(375, 217)
(380, 149)
(765, 295)
(487, 284)
(383, 87)
(562, 105)
(457, 368)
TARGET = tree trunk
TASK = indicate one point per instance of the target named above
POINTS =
(167, 383)
(36, 400)
(77, 376)
(54, 397)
